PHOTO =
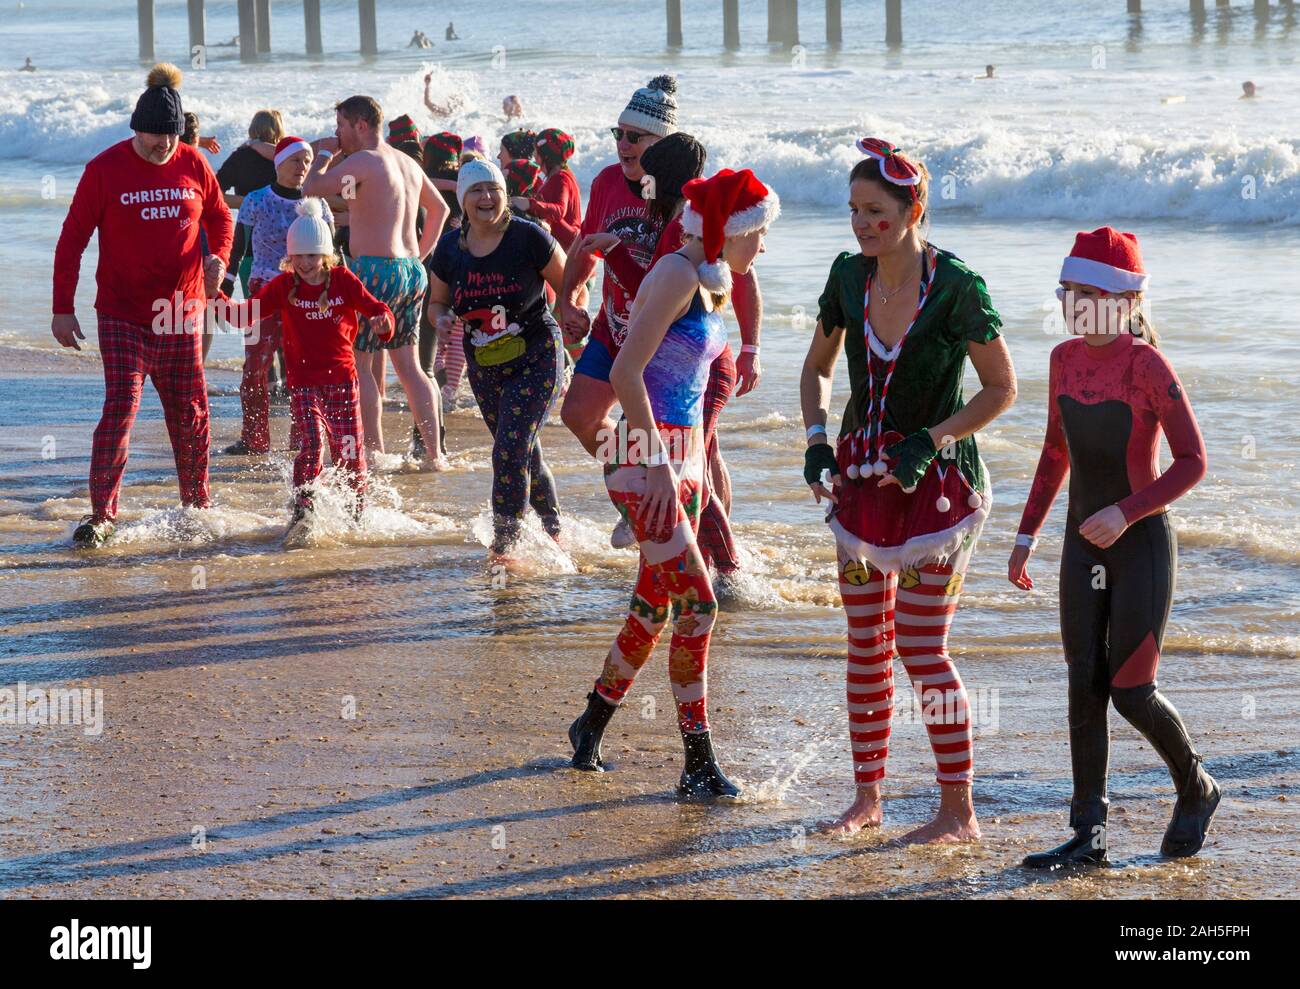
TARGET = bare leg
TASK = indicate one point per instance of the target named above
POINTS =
(954, 822)
(586, 411)
(423, 400)
(372, 407)
(865, 812)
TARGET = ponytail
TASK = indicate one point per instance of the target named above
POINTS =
(1141, 327)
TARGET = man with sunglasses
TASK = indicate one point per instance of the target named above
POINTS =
(616, 204)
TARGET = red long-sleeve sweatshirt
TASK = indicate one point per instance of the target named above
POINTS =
(148, 217)
(1106, 408)
(559, 203)
(317, 345)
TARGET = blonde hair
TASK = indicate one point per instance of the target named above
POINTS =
(466, 156)
(1138, 323)
(328, 262)
(267, 126)
(719, 299)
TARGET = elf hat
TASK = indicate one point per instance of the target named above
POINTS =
(653, 107)
(554, 147)
(1106, 259)
(728, 204)
(310, 234)
(402, 129)
(473, 172)
(523, 177)
(286, 147)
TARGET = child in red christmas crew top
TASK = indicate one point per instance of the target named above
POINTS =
(151, 198)
(1111, 393)
(317, 300)
(656, 474)
(905, 516)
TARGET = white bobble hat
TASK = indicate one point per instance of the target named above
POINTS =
(310, 234)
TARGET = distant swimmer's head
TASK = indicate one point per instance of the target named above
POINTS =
(668, 165)
(512, 106)
(729, 213)
(293, 157)
(1247, 90)
(648, 116)
(159, 119)
(554, 148)
(1103, 286)
(989, 70)
(481, 192)
(358, 121)
(888, 197)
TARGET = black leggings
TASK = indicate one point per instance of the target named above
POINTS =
(514, 398)
(1114, 606)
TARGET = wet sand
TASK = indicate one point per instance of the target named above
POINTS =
(228, 767)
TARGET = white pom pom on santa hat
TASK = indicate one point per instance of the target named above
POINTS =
(728, 204)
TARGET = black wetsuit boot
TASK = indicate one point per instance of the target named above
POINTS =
(585, 733)
(1198, 798)
(1087, 847)
(702, 777)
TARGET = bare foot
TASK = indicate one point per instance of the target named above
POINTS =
(437, 465)
(955, 821)
(865, 812)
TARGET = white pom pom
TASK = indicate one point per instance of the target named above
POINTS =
(942, 504)
(311, 206)
(715, 277)
(852, 471)
(878, 467)
(975, 501)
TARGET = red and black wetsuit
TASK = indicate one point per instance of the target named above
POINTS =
(1107, 406)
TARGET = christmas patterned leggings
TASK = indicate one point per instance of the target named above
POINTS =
(910, 610)
(716, 541)
(331, 414)
(514, 398)
(672, 578)
(131, 352)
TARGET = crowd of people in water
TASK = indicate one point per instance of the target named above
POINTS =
(467, 259)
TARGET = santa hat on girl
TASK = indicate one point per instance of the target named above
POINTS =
(728, 204)
(1106, 259)
(287, 147)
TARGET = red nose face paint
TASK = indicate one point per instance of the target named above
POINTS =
(883, 226)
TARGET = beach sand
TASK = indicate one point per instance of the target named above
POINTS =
(228, 764)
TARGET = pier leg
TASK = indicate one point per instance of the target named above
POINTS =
(198, 24)
(1261, 8)
(144, 8)
(674, 23)
(1135, 6)
(247, 31)
(893, 23)
(263, 25)
(311, 17)
(834, 24)
(731, 25)
(369, 36)
(1198, 9)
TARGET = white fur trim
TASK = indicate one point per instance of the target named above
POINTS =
(761, 214)
(290, 150)
(716, 277)
(1106, 277)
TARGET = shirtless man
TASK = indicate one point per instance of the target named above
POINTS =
(384, 189)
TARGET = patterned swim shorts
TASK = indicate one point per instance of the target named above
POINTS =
(400, 284)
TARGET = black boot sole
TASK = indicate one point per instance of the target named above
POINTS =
(706, 790)
(592, 766)
(1052, 864)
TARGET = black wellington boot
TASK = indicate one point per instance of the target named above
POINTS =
(1087, 847)
(586, 732)
(1198, 798)
(702, 777)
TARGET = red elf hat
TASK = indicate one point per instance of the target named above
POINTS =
(1106, 259)
(724, 205)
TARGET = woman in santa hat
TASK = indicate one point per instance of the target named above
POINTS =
(908, 491)
(654, 463)
(1111, 394)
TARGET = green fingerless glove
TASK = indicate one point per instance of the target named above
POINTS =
(914, 455)
(817, 458)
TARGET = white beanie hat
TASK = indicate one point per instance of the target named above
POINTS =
(653, 107)
(475, 171)
(309, 234)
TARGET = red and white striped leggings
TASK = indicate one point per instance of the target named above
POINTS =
(329, 414)
(911, 611)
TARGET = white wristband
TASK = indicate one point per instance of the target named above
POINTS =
(814, 430)
(324, 155)
(749, 348)
(1024, 539)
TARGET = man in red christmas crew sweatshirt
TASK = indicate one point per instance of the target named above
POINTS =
(148, 197)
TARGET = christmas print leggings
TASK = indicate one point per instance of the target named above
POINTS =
(514, 398)
(672, 577)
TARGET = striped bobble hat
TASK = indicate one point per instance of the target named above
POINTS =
(653, 107)
(442, 150)
(523, 177)
(554, 147)
(520, 143)
(402, 129)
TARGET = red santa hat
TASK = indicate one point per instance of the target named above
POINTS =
(288, 146)
(728, 204)
(1106, 259)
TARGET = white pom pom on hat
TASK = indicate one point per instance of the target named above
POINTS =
(310, 234)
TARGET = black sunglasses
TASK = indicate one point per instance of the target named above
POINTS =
(632, 137)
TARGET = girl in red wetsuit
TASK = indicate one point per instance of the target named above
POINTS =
(317, 300)
(1111, 392)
